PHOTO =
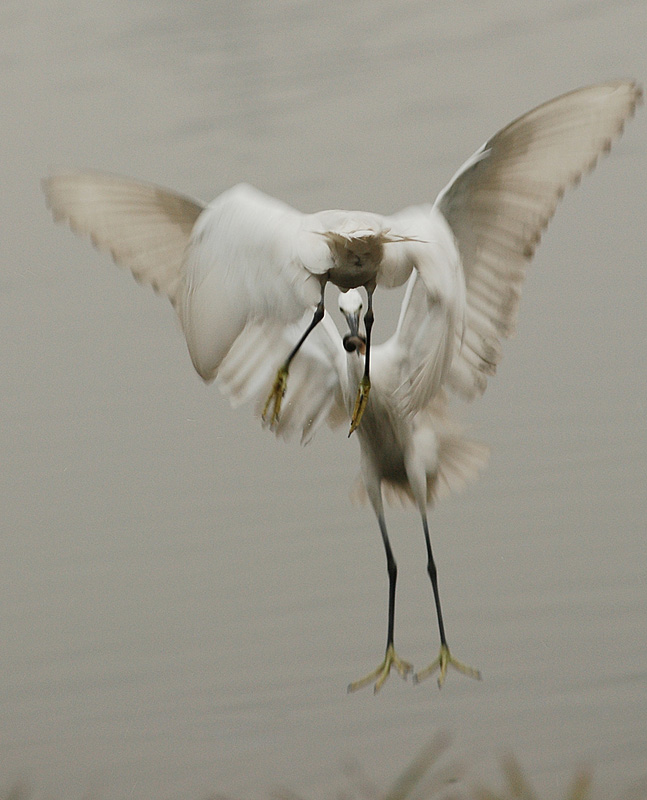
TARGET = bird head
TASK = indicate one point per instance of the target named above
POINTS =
(350, 305)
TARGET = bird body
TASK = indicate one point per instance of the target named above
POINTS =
(246, 272)
(416, 460)
(407, 455)
(245, 240)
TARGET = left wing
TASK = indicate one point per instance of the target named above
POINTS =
(144, 227)
(221, 265)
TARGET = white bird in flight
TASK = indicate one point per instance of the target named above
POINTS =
(247, 274)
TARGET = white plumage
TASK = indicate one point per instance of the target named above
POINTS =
(245, 273)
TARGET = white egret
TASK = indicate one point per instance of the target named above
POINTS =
(416, 453)
(242, 272)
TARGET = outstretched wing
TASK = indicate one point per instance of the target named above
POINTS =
(317, 389)
(144, 227)
(502, 198)
(222, 266)
(230, 269)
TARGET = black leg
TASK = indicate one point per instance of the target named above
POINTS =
(368, 326)
(433, 576)
(365, 384)
(392, 570)
(391, 658)
(281, 381)
(316, 319)
(445, 658)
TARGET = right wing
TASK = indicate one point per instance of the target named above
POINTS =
(241, 266)
(230, 271)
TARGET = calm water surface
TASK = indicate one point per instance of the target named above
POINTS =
(183, 599)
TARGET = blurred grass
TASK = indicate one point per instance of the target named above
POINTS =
(431, 776)
(426, 779)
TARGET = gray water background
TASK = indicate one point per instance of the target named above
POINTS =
(183, 600)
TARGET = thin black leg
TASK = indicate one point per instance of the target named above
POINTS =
(433, 576)
(391, 658)
(316, 319)
(392, 570)
(445, 658)
(281, 381)
(368, 326)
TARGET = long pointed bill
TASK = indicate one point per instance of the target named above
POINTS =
(353, 340)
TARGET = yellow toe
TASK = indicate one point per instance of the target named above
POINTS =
(275, 397)
(379, 675)
(441, 664)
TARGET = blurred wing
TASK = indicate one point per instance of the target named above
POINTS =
(317, 384)
(241, 266)
(221, 266)
(415, 361)
(503, 197)
(144, 227)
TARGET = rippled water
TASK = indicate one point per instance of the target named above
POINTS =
(183, 599)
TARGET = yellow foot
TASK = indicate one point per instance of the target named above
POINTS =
(276, 396)
(444, 660)
(360, 403)
(391, 659)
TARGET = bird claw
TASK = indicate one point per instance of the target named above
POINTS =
(445, 660)
(379, 675)
(275, 397)
(360, 403)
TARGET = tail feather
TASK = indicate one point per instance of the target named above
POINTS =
(460, 461)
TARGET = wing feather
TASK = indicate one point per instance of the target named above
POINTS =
(241, 266)
(317, 389)
(417, 358)
(144, 227)
(500, 201)
(221, 266)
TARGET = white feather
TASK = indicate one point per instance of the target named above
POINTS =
(502, 198)
(144, 228)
